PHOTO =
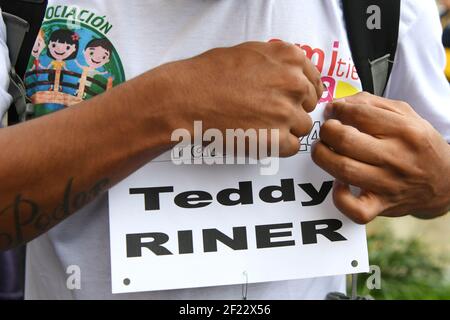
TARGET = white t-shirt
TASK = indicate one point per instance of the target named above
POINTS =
(138, 35)
(5, 98)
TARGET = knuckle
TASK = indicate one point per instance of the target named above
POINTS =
(291, 48)
(295, 53)
(285, 48)
(294, 146)
(303, 89)
(303, 124)
(413, 133)
(361, 216)
(330, 131)
(345, 171)
(277, 44)
(326, 129)
(307, 124)
(345, 140)
(250, 45)
(288, 146)
(404, 106)
(300, 56)
(363, 95)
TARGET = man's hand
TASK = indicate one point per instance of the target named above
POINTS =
(60, 162)
(254, 85)
(397, 159)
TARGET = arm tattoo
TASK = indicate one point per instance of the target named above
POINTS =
(29, 218)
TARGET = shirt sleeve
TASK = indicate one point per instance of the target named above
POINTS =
(418, 73)
(5, 98)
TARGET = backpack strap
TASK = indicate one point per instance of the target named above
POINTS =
(373, 43)
(20, 12)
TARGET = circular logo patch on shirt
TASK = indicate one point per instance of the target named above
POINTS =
(70, 62)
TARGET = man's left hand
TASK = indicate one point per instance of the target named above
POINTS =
(398, 160)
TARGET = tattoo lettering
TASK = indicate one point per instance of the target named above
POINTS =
(29, 218)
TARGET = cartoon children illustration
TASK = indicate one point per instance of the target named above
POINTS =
(62, 46)
(39, 46)
(96, 54)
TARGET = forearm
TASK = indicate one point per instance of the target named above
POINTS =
(52, 166)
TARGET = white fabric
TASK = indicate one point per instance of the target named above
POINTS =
(149, 33)
(5, 98)
(417, 76)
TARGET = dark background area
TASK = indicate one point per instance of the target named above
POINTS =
(32, 11)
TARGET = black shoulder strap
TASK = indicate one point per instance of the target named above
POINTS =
(33, 12)
(21, 16)
(372, 29)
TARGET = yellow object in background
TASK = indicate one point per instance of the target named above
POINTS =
(345, 89)
(447, 67)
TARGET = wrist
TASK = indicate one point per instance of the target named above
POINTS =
(447, 178)
(171, 89)
(443, 202)
(158, 103)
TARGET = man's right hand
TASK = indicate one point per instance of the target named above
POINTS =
(253, 85)
(77, 153)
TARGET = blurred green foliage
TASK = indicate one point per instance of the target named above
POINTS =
(409, 271)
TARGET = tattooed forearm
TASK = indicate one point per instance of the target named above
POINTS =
(24, 219)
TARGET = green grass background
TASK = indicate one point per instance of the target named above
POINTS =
(413, 256)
